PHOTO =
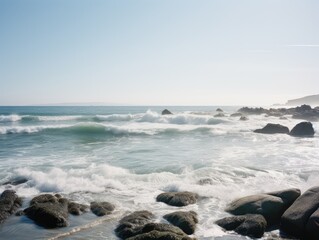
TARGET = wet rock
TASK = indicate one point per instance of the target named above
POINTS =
(237, 114)
(77, 208)
(9, 203)
(271, 128)
(243, 118)
(252, 225)
(301, 218)
(206, 181)
(177, 199)
(270, 205)
(160, 231)
(132, 224)
(166, 112)
(184, 220)
(303, 129)
(16, 181)
(102, 208)
(48, 211)
(219, 115)
(257, 111)
(219, 110)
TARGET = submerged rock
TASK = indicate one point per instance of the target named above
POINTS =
(302, 217)
(48, 211)
(184, 220)
(270, 205)
(132, 224)
(9, 204)
(237, 114)
(166, 112)
(243, 118)
(102, 208)
(177, 199)
(206, 181)
(219, 115)
(252, 225)
(16, 181)
(271, 128)
(303, 129)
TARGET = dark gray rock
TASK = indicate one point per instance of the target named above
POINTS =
(243, 118)
(271, 128)
(48, 211)
(219, 110)
(303, 129)
(160, 231)
(166, 112)
(237, 114)
(184, 220)
(206, 181)
(219, 115)
(270, 205)
(77, 208)
(102, 208)
(9, 204)
(252, 225)
(177, 199)
(16, 181)
(132, 224)
(301, 218)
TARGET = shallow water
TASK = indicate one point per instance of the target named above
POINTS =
(128, 155)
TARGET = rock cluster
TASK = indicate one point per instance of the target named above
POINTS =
(9, 204)
(296, 215)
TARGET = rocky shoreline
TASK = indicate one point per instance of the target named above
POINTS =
(294, 214)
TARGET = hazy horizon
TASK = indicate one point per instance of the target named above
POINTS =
(158, 53)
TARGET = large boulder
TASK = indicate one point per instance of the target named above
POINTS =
(177, 199)
(302, 218)
(102, 208)
(303, 129)
(132, 224)
(48, 211)
(184, 220)
(270, 205)
(166, 112)
(252, 225)
(271, 128)
(219, 110)
(160, 231)
(9, 204)
(16, 181)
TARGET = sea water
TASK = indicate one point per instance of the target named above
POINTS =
(129, 155)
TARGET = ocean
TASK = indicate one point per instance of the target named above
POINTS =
(129, 155)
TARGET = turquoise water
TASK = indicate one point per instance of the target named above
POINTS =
(128, 155)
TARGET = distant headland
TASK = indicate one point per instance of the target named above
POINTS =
(310, 100)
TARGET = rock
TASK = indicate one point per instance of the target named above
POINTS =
(219, 110)
(132, 224)
(166, 112)
(252, 225)
(301, 218)
(237, 114)
(184, 220)
(48, 211)
(243, 118)
(160, 231)
(77, 208)
(303, 129)
(16, 181)
(219, 115)
(102, 208)
(247, 110)
(177, 199)
(270, 205)
(206, 181)
(9, 204)
(271, 128)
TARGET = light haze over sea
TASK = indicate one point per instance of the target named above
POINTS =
(128, 155)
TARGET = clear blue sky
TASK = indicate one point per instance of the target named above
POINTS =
(158, 52)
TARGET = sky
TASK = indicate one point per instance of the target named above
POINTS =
(158, 52)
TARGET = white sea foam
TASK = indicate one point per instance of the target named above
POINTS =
(10, 118)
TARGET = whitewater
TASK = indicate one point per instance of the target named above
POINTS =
(129, 155)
